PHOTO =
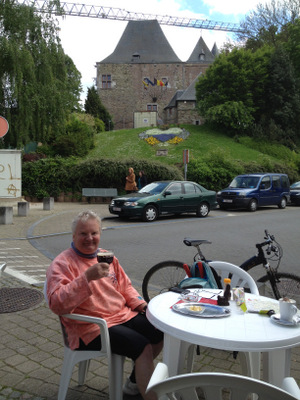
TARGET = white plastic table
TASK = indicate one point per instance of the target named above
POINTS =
(245, 332)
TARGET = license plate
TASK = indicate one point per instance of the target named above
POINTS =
(116, 208)
(227, 201)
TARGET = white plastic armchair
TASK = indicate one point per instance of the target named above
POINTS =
(115, 362)
(2, 268)
(212, 385)
(239, 278)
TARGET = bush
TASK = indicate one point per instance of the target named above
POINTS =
(52, 176)
(215, 172)
(47, 177)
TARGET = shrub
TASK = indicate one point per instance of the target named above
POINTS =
(214, 171)
(52, 176)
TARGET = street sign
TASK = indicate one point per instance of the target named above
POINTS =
(3, 127)
(185, 161)
(185, 156)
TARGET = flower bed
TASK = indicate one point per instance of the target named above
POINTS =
(170, 136)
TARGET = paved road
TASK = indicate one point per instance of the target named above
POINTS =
(140, 245)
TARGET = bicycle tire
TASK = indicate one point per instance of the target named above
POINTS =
(161, 277)
(288, 286)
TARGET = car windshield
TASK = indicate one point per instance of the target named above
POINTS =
(245, 182)
(295, 185)
(154, 187)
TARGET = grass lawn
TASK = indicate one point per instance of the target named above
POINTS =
(126, 144)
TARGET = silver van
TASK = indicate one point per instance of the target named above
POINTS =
(255, 190)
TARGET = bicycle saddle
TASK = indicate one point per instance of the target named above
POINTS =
(194, 242)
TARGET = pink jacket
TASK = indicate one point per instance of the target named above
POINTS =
(68, 291)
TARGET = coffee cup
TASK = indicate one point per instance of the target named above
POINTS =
(287, 309)
(105, 257)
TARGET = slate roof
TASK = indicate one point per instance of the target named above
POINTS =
(174, 99)
(201, 48)
(189, 94)
(215, 51)
(142, 42)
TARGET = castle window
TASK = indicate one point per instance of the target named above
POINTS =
(136, 57)
(202, 55)
(106, 81)
(165, 81)
(151, 107)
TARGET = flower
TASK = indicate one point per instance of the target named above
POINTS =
(151, 140)
(156, 135)
(175, 140)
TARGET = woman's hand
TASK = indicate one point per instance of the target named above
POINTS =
(141, 308)
(97, 271)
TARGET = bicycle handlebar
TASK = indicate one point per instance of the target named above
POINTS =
(269, 241)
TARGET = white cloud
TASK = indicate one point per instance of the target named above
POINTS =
(232, 7)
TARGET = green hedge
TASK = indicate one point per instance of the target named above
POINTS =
(52, 176)
(215, 171)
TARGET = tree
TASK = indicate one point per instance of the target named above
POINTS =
(231, 92)
(94, 106)
(292, 46)
(283, 98)
(263, 24)
(79, 137)
(40, 85)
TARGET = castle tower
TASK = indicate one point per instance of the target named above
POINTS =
(143, 73)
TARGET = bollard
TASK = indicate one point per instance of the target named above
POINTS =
(23, 208)
(6, 215)
(48, 203)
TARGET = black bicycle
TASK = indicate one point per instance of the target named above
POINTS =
(167, 274)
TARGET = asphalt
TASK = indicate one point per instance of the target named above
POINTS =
(31, 348)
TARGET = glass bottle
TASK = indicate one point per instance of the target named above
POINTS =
(227, 291)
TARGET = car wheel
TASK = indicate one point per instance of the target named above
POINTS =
(202, 210)
(252, 205)
(282, 203)
(150, 213)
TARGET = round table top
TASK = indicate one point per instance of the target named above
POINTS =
(238, 332)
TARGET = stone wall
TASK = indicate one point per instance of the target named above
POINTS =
(128, 94)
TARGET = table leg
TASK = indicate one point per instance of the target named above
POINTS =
(250, 363)
(276, 366)
(172, 353)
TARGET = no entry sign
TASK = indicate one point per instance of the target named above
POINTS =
(3, 126)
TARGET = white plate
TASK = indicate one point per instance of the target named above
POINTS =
(201, 310)
(276, 318)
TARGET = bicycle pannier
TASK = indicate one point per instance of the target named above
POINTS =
(202, 276)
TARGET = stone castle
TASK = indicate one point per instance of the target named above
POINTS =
(144, 83)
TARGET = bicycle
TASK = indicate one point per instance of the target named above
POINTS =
(167, 274)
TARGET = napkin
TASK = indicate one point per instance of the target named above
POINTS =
(202, 300)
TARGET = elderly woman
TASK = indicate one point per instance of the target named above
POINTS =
(77, 283)
(130, 185)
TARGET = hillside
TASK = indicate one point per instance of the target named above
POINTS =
(202, 141)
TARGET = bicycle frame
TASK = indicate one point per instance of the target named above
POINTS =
(259, 259)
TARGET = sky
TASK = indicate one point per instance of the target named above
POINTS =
(90, 40)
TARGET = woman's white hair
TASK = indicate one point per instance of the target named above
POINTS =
(85, 216)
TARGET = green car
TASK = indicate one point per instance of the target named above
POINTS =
(165, 197)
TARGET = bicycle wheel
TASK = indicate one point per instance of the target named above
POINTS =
(288, 286)
(161, 277)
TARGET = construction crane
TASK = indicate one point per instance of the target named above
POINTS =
(90, 11)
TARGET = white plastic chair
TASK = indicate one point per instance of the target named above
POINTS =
(2, 268)
(239, 278)
(213, 385)
(115, 362)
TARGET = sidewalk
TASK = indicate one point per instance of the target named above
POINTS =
(30, 340)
